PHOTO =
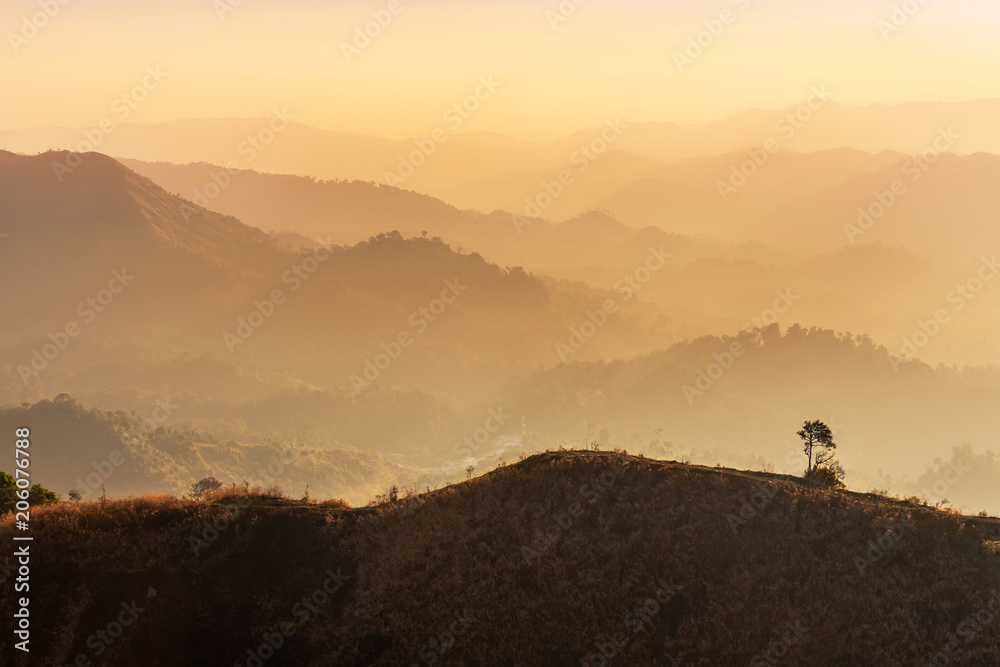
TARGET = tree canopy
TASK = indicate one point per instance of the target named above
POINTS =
(818, 444)
(37, 494)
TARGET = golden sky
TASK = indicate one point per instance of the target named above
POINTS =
(598, 58)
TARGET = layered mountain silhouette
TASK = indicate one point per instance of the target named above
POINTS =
(349, 212)
(208, 283)
(809, 209)
(262, 336)
(471, 169)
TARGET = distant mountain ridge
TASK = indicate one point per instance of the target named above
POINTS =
(209, 283)
(457, 168)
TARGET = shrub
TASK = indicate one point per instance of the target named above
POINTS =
(37, 494)
(244, 490)
(826, 476)
(203, 486)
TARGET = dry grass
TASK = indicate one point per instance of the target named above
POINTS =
(244, 491)
(416, 562)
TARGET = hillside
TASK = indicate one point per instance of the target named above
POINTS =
(713, 405)
(151, 271)
(348, 212)
(117, 453)
(553, 561)
(802, 208)
(158, 260)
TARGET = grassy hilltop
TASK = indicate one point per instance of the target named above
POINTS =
(566, 558)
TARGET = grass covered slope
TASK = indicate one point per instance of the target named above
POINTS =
(567, 558)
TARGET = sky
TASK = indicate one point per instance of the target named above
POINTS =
(560, 66)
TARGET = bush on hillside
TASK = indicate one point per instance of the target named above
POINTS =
(37, 494)
(831, 476)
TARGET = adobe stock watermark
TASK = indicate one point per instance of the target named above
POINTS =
(267, 475)
(958, 299)
(971, 627)
(708, 376)
(162, 411)
(778, 649)
(878, 548)
(102, 640)
(470, 444)
(562, 12)
(365, 34)
(714, 28)
(249, 149)
(420, 320)
(454, 118)
(264, 309)
(626, 288)
(635, 621)
(303, 611)
(914, 169)
(32, 26)
(465, 449)
(902, 13)
(88, 310)
(435, 648)
(582, 158)
(561, 522)
(224, 7)
(104, 469)
(121, 109)
(786, 128)
(951, 476)
(752, 505)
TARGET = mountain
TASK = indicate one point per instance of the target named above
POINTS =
(157, 274)
(346, 211)
(349, 212)
(938, 208)
(907, 127)
(564, 558)
(485, 171)
(699, 195)
(60, 193)
(734, 400)
(242, 331)
(802, 202)
(116, 239)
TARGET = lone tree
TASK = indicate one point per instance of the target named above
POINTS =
(817, 442)
(203, 486)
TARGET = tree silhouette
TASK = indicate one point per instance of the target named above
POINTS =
(817, 441)
(203, 486)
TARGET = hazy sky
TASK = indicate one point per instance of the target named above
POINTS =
(607, 58)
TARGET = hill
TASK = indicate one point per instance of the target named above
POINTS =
(109, 230)
(154, 272)
(349, 211)
(566, 558)
(731, 399)
(98, 451)
(352, 211)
